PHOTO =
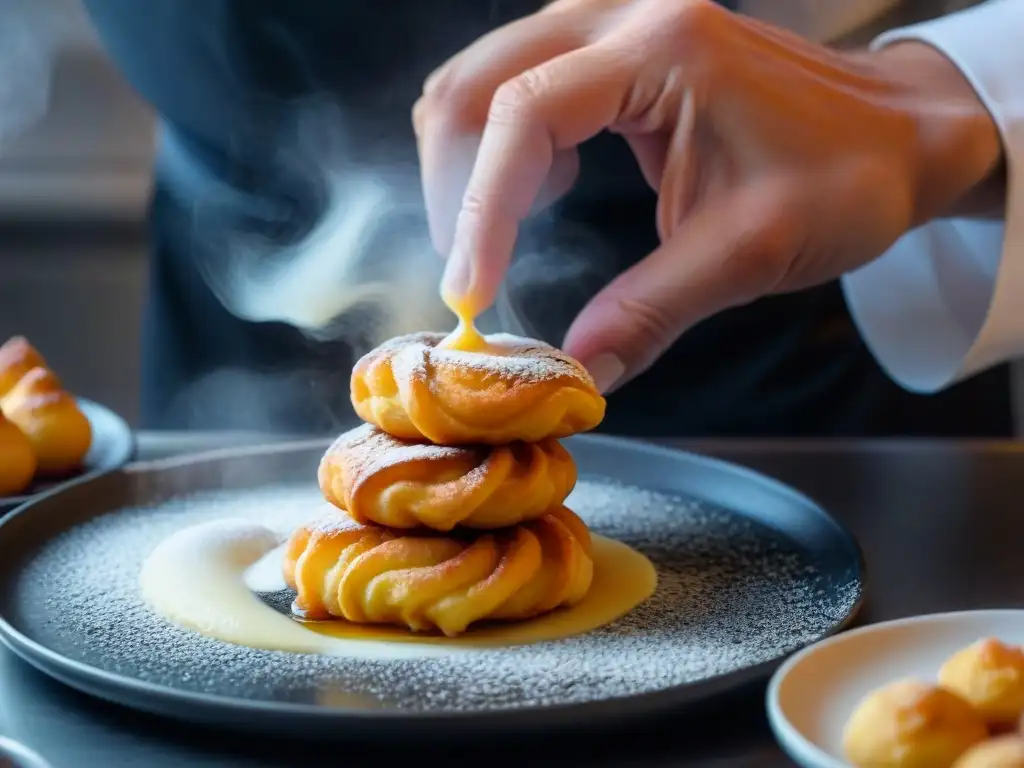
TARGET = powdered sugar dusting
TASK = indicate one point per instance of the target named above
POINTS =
(731, 594)
(332, 523)
(513, 359)
(366, 450)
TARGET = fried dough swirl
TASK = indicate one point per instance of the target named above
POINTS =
(380, 479)
(516, 390)
(373, 575)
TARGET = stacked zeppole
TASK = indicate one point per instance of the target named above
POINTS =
(453, 492)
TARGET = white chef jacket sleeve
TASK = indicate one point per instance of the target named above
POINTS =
(947, 300)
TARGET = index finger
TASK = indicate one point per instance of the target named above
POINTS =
(555, 106)
(449, 117)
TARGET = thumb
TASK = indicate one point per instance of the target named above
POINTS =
(727, 252)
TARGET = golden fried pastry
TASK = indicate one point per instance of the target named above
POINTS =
(380, 479)
(910, 724)
(1003, 752)
(990, 675)
(373, 575)
(17, 357)
(58, 430)
(17, 459)
(516, 390)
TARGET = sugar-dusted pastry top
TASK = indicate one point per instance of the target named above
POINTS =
(377, 478)
(515, 390)
(49, 416)
(433, 581)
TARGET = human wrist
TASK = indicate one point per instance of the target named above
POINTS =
(959, 162)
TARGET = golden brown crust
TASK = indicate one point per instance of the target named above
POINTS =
(990, 675)
(51, 419)
(373, 575)
(911, 723)
(17, 357)
(17, 459)
(1002, 752)
(380, 479)
(522, 390)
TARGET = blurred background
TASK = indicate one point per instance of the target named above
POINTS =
(73, 192)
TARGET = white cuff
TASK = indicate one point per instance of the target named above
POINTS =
(947, 300)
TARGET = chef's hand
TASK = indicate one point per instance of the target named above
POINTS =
(779, 164)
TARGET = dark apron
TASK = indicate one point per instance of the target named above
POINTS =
(223, 74)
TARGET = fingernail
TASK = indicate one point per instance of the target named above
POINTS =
(435, 77)
(606, 370)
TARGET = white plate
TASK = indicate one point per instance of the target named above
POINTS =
(812, 695)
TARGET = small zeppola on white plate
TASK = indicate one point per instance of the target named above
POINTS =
(813, 694)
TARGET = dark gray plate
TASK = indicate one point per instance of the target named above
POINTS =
(749, 571)
(112, 447)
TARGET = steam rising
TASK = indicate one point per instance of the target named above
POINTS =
(31, 35)
(365, 270)
(362, 258)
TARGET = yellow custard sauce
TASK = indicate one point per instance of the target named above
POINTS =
(466, 337)
(206, 578)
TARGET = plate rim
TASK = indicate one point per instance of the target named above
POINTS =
(27, 757)
(126, 440)
(151, 697)
(787, 735)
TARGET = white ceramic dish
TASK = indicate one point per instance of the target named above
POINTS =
(811, 696)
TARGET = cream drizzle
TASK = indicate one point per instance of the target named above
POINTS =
(206, 578)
